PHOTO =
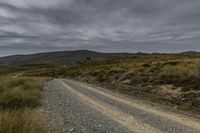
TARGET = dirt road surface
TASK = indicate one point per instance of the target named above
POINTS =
(71, 106)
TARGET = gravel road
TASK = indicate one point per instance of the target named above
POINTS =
(71, 106)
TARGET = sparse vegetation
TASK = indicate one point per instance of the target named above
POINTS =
(143, 76)
(171, 80)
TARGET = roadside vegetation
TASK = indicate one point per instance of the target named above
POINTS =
(18, 97)
(167, 79)
(171, 80)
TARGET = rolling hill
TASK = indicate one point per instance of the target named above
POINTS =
(58, 58)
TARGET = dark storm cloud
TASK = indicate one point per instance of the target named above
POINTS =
(103, 25)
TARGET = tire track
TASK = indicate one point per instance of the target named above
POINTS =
(125, 119)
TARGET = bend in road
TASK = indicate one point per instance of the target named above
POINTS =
(106, 112)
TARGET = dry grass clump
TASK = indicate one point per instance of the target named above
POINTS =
(17, 98)
(20, 121)
(182, 70)
(21, 92)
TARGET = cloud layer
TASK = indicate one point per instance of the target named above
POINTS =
(103, 25)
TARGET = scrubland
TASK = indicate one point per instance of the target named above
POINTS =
(167, 79)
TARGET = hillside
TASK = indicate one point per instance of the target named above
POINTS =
(168, 79)
(58, 58)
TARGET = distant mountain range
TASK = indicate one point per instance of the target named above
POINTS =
(58, 58)
(66, 57)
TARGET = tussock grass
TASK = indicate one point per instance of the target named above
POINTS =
(20, 121)
(21, 92)
(182, 70)
(14, 82)
(18, 96)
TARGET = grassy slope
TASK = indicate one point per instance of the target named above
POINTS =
(18, 96)
(172, 80)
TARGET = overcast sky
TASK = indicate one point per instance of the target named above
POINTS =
(30, 26)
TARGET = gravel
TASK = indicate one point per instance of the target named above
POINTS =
(163, 124)
(65, 113)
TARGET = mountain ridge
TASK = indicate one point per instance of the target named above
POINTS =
(57, 57)
(69, 57)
